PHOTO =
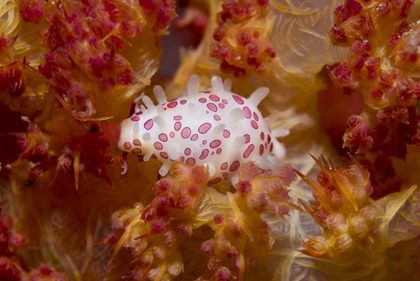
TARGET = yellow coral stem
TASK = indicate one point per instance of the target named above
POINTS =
(161, 272)
(127, 233)
(239, 216)
(306, 208)
(318, 191)
(343, 187)
(284, 200)
(241, 262)
(76, 168)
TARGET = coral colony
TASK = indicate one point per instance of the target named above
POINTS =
(284, 147)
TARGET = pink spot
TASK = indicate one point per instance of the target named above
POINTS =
(234, 166)
(204, 128)
(204, 142)
(172, 134)
(218, 151)
(262, 136)
(137, 142)
(148, 124)
(187, 151)
(182, 158)
(135, 118)
(256, 116)
(139, 113)
(177, 126)
(268, 138)
(202, 100)
(221, 105)
(238, 99)
(186, 132)
(158, 145)
(207, 92)
(158, 226)
(248, 151)
(136, 151)
(183, 102)
(244, 187)
(224, 166)
(172, 104)
(225, 174)
(247, 112)
(164, 155)
(218, 219)
(214, 98)
(247, 138)
(177, 117)
(261, 149)
(194, 137)
(265, 145)
(226, 133)
(190, 161)
(224, 101)
(214, 181)
(215, 143)
(254, 124)
(204, 154)
(163, 137)
(127, 145)
(212, 106)
(217, 117)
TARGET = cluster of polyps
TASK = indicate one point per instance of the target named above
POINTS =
(12, 75)
(85, 56)
(183, 203)
(86, 153)
(10, 267)
(155, 232)
(241, 232)
(163, 12)
(342, 207)
(383, 51)
(35, 149)
(241, 42)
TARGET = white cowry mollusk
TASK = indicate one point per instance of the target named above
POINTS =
(215, 128)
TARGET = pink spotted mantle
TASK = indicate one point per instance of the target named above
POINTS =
(215, 128)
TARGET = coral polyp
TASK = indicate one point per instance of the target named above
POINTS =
(200, 128)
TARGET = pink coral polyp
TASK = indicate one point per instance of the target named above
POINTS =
(349, 223)
(32, 10)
